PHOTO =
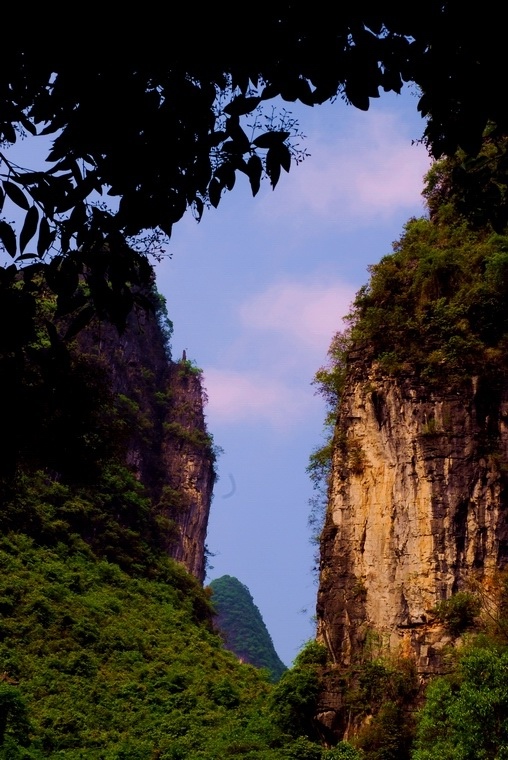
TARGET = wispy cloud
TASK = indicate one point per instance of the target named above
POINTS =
(285, 333)
(254, 397)
(306, 312)
(369, 174)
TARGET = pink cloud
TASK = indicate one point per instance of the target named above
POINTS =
(307, 312)
(371, 172)
(286, 331)
(253, 397)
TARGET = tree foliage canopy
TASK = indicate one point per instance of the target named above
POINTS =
(154, 119)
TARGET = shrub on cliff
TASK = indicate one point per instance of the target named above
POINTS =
(436, 306)
(294, 698)
(459, 612)
(465, 716)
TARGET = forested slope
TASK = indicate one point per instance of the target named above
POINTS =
(242, 625)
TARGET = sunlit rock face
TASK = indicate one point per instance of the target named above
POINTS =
(418, 507)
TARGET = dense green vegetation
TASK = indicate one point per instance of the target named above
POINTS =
(242, 625)
(465, 715)
(96, 662)
(436, 308)
(93, 654)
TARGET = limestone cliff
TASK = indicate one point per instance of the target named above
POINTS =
(161, 404)
(418, 489)
(189, 457)
(418, 507)
(418, 477)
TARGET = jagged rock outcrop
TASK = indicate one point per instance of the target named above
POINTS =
(418, 507)
(188, 457)
(161, 403)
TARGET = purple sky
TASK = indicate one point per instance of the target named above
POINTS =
(256, 291)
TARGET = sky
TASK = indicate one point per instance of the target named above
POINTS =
(256, 291)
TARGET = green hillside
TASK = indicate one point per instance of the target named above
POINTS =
(107, 648)
(243, 627)
(100, 663)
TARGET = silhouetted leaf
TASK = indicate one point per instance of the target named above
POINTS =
(214, 191)
(199, 207)
(46, 237)
(78, 216)
(298, 89)
(270, 139)
(392, 81)
(284, 157)
(166, 226)
(16, 195)
(226, 176)
(357, 97)
(305, 94)
(8, 238)
(29, 227)
(269, 92)
(273, 165)
(242, 105)
(255, 169)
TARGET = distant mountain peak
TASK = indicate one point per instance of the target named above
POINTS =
(242, 626)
